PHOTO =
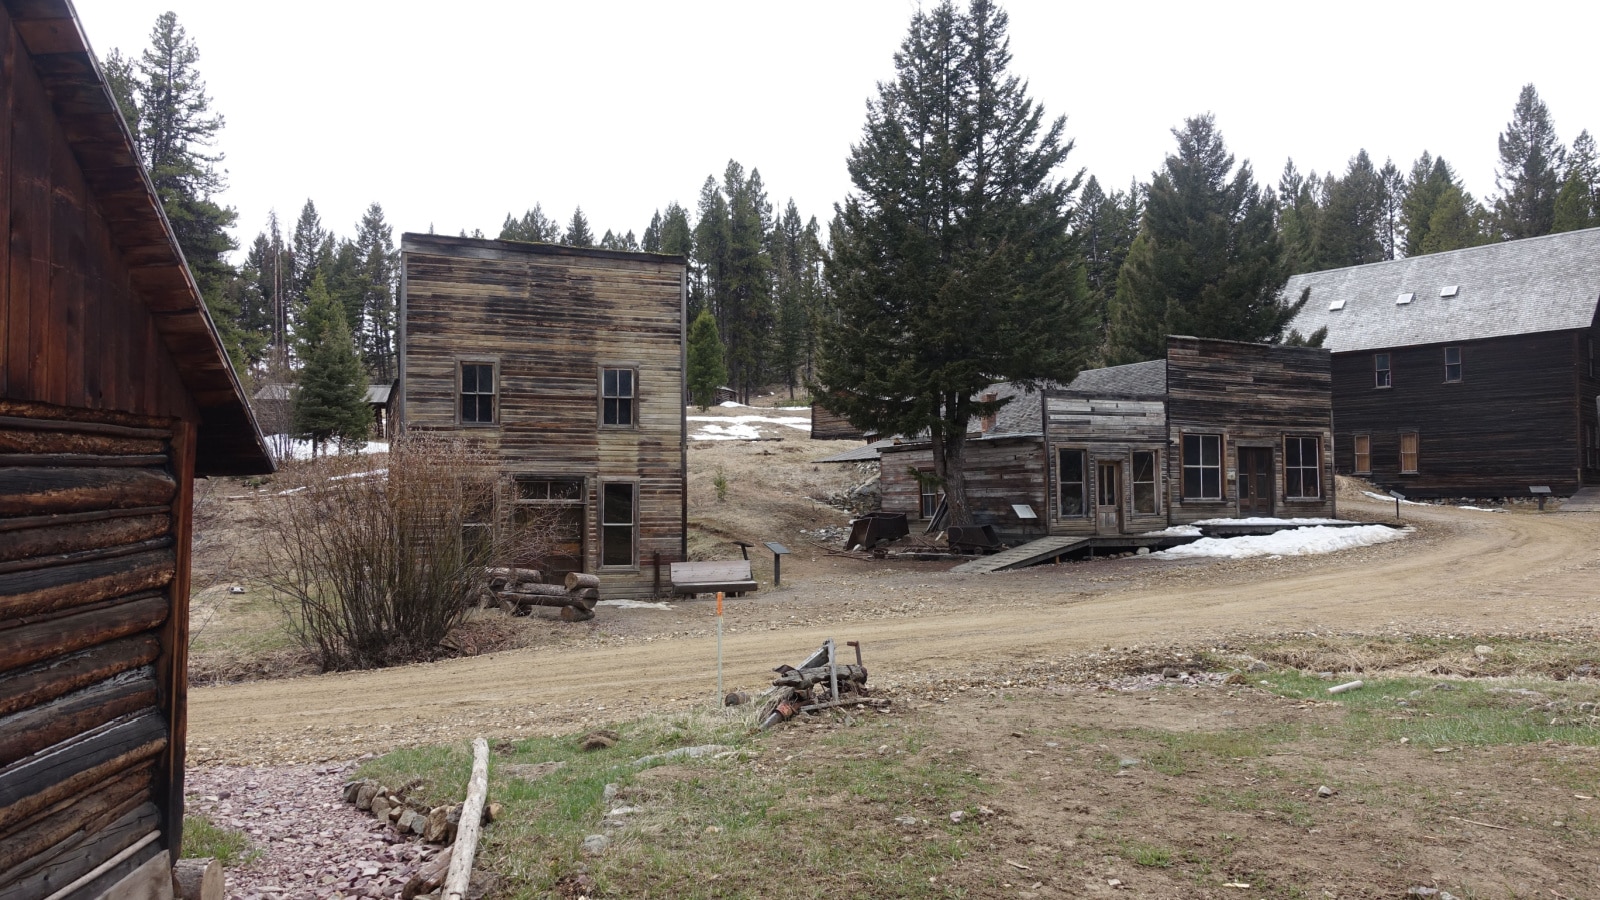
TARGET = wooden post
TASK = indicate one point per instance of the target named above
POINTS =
(720, 694)
(466, 845)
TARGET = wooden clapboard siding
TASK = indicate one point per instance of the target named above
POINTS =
(1109, 427)
(1000, 472)
(1514, 420)
(550, 318)
(828, 426)
(1254, 395)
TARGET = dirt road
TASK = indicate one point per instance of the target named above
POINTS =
(1462, 572)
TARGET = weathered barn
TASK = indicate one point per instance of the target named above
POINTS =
(568, 365)
(1465, 374)
(1218, 429)
(114, 393)
(829, 426)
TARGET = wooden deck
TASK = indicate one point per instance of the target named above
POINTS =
(1045, 549)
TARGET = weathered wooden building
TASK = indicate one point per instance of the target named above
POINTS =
(568, 365)
(114, 393)
(829, 426)
(1218, 429)
(1465, 374)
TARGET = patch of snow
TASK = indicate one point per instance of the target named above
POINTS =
(285, 447)
(1481, 509)
(360, 474)
(1297, 542)
(634, 604)
(1176, 530)
(806, 408)
(791, 421)
(1269, 520)
(732, 404)
(730, 433)
(1388, 499)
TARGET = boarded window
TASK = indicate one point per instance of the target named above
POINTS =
(477, 393)
(1380, 370)
(1070, 469)
(617, 396)
(1144, 483)
(1363, 448)
(617, 525)
(1408, 452)
(1202, 466)
(1452, 364)
(1302, 467)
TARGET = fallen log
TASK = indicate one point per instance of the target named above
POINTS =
(466, 845)
(542, 590)
(576, 580)
(429, 877)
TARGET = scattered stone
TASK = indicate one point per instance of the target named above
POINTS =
(1144, 551)
(681, 753)
(1324, 791)
(1127, 761)
(364, 795)
(599, 740)
(532, 771)
(1443, 686)
(1258, 666)
(986, 812)
(380, 806)
(956, 817)
(609, 794)
(1482, 650)
(596, 844)
(906, 821)
(1114, 882)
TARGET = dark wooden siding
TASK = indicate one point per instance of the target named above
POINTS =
(999, 472)
(550, 320)
(1253, 395)
(827, 426)
(1512, 421)
(1108, 428)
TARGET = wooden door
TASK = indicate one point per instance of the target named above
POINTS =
(1255, 481)
(1108, 497)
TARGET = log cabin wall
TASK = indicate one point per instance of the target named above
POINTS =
(548, 320)
(1102, 427)
(827, 426)
(1254, 396)
(1587, 351)
(1000, 472)
(1514, 419)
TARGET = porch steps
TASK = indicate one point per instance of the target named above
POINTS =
(1025, 555)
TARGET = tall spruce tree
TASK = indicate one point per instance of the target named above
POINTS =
(578, 233)
(1106, 224)
(705, 368)
(708, 275)
(747, 289)
(377, 268)
(534, 226)
(1299, 211)
(1428, 181)
(953, 264)
(1208, 259)
(330, 402)
(1349, 227)
(1394, 195)
(1529, 175)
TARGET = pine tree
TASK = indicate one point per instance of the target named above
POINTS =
(953, 264)
(377, 267)
(747, 292)
(708, 278)
(1299, 210)
(330, 403)
(1394, 195)
(534, 226)
(1349, 231)
(1107, 225)
(1529, 176)
(1578, 202)
(1428, 181)
(311, 250)
(706, 370)
(1457, 222)
(578, 233)
(1208, 260)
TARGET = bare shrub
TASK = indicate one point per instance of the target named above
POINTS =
(377, 565)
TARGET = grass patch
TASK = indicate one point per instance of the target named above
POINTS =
(203, 838)
(697, 823)
(1147, 855)
(1502, 712)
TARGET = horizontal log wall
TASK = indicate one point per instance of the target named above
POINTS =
(550, 321)
(1253, 395)
(1513, 420)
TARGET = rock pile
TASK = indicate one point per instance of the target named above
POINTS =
(434, 824)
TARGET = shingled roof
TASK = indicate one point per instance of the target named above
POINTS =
(1549, 283)
(1140, 379)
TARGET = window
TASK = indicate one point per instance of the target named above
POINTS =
(477, 393)
(1452, 364)
(1408, 452)
(1144, 483)
(1302, 468)
(1363, 448)
(617, 396)
(1202, 466)
(617, 526)
(928, 492)
(548, 514)
(1071, 482)
(1380, 369)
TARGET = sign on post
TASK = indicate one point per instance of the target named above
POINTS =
(779, 551)
(1397, 498)
(1542, 491)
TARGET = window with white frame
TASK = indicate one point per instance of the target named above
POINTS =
(617, 396)
(476, 381)
(1302, 468)
(1202, 466)
(618, 523)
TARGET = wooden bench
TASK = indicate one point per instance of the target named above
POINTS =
(731, 576)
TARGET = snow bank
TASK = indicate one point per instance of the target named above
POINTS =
(1269, 520)
(1175, 530)
(741, 428)
(634, 604)
(730, 433)
(1481, 509)
(791, 421)
(285, 447)
(1388, 499)
(732, 404)
(1297, 542)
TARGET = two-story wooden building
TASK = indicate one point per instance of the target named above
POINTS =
(1218, 429)
(114, 393)
(568, 365)
(1465, 374)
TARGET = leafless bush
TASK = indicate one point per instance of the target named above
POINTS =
(377, 565)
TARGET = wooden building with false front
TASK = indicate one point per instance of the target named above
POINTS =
(1218, 429)
(1471, 373)
(114, 393)
(568, 365)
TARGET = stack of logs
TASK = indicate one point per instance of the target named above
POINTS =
(517, 591)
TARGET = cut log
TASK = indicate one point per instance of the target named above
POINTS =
(32, 730)
(79, 584)
(28, 491)
(15, 440)
(429, 877)
(523, 601)
(466, 845)
(577, 580)
(197, 879)
(542, 590)
(69, 768)
(61, 635)
(60, 538)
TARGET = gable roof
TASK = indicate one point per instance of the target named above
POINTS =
(1549, 283)
(228, 441)
(1134, 379)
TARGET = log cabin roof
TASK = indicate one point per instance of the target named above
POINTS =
(228, 440)
(1549, 283)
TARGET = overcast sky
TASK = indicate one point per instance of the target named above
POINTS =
(451, 116)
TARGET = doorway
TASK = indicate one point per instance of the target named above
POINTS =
(1255, 481)
(1108, 497)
